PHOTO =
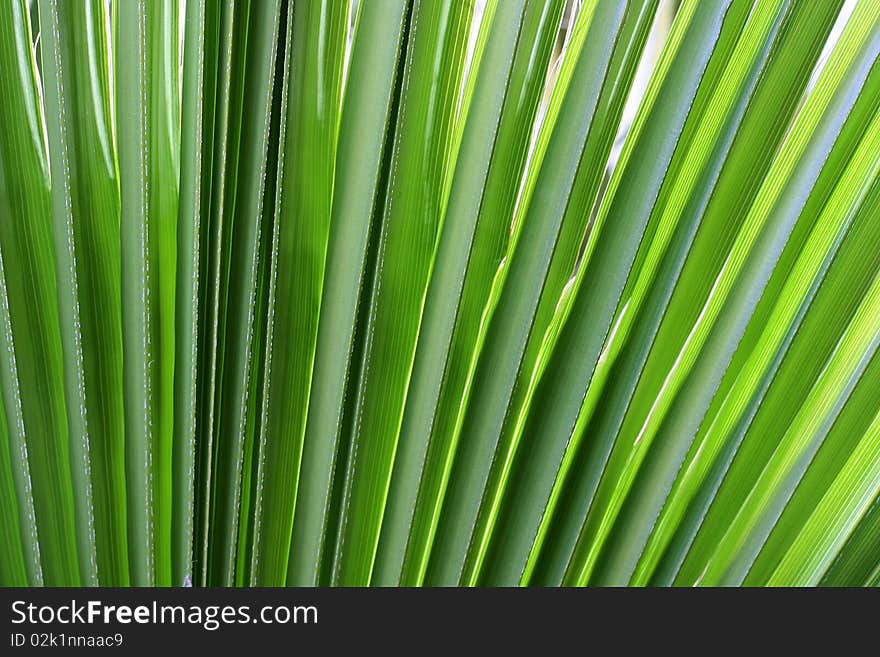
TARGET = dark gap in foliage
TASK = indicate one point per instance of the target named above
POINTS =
(220, 228)
(34, 15)
(203, 437)
(233, 248)
(261, 306)
(343, 449)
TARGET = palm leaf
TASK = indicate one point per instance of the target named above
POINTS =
(411, 292)
(35, 403)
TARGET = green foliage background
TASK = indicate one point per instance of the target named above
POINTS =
(439, 292)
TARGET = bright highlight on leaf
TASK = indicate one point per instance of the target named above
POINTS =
(439, 292)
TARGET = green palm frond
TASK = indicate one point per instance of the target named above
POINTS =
(440, 292)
